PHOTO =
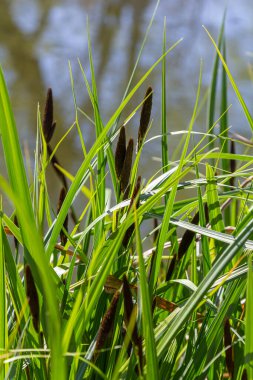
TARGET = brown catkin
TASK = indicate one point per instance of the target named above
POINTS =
(145, 116)
(47, 123)
(33, 299)
(229, 350)
(232, 162)
(126, 169)
(120, 152)
(65, 224)
(244, 374)
(106, 324)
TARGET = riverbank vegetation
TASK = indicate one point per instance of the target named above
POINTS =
(149, 279)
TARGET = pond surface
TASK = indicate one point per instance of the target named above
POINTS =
(38, 39)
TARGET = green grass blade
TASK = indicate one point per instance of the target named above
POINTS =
(147, 322)
(215, 215)
(212, 96)
(234, 85)
(3, 308)
(164, 108)
(248, 321)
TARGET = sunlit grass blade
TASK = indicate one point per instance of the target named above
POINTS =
(147, 323)
(215, 215)
(3, 307)
(232, 81)
(213, 88)
(248, 322)
(164, 142)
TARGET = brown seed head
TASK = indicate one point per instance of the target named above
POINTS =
(120, 152)
(126, 169)
(107, 323)
(47, 124)
(145, 116)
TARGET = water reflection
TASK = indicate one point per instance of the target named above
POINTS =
(38, 38)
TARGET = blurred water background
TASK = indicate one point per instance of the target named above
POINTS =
(38, 39)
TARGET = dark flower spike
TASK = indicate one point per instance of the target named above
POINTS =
(47, 125)
(120, 152)
(232, 162)
(106, 324)
(229, 348)
(244, 374)
(65, 224)
(33, 299)
(126, 169)
(51, 132)
(145, 116)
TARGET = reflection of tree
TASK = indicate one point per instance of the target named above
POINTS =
(107, 31)
(23, 61)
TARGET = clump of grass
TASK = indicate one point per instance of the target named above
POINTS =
(169, 316)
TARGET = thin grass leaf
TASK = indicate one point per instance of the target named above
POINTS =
(248, 321)
(231, 79)
(147, 322)
(213, 203)
(3, 304)
(214, 80)
(164, 141)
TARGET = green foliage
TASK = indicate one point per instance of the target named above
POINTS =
(101, 294)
